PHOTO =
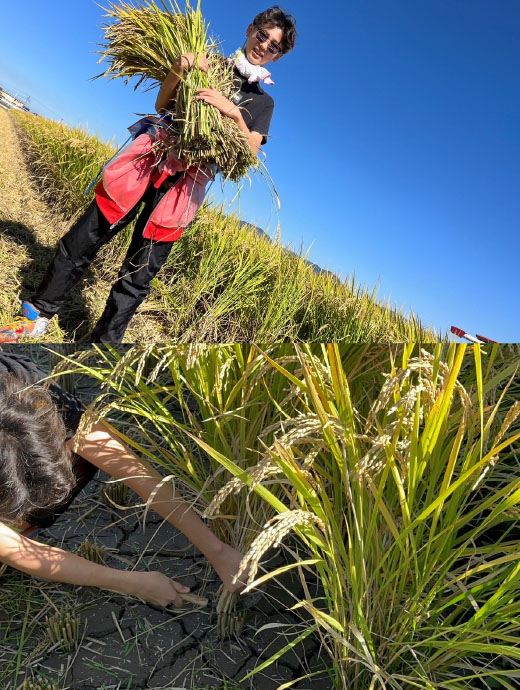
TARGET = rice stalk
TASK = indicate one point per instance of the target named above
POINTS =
(144, 41)
(115, 495)
(92, 552)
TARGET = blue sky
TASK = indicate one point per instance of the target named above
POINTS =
(395, 142)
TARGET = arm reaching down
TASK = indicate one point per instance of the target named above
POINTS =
(51, 563)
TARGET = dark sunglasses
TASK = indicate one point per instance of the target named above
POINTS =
(273, 47)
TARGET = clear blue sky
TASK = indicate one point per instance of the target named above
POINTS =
(395, 141)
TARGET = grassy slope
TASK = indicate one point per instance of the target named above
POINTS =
(221, 282)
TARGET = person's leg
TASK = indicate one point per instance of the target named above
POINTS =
(143, 261)
(76, 251)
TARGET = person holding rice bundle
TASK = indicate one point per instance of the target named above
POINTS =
(40, 475)
(167, 181)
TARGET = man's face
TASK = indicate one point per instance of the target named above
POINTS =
(257, 50)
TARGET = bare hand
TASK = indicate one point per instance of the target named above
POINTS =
(213, 97)
(187, 62)
(156, 588)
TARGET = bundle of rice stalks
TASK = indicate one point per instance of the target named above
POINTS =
(145, 41)
(91, 552)
(63, 629)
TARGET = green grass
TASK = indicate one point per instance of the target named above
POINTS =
(222, 282)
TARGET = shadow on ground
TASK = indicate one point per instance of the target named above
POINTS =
(74, 317)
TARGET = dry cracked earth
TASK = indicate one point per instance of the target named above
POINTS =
(127, 644)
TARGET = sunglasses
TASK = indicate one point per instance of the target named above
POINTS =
(273, 47)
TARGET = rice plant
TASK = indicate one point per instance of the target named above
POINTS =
(64, 159)
(397, 469)
(144, 41)
(179, 401)
(387, 505)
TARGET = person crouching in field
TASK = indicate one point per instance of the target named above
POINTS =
(271, 35)
(40, 475)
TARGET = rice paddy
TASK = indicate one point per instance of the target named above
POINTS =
(221, 283)
(375, 487)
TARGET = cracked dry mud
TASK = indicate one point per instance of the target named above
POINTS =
(128, 644)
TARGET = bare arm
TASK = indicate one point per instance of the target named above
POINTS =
(102, 447)
(166, 95)
(51, 563)
(54, 564)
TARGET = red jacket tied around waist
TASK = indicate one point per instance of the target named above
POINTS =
(127, 177)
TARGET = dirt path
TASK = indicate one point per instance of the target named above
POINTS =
(28, 230)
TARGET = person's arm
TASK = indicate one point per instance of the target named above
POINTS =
(166, 95)
(51, 563)
(102, 447)
(213, 97)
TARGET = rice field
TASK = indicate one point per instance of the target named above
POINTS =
(388, 475)
(221, 283)
(382, 480)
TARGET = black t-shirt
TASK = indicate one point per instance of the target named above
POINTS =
(255, 104)
(70, 408)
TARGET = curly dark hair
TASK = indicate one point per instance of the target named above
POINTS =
(35, 463)
(275, 16)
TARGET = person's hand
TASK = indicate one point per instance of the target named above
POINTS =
(213, 97)
(155, 588)
(187, 62)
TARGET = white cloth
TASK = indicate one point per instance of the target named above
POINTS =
(252, 73)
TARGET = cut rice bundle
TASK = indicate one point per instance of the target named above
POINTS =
(145, 41)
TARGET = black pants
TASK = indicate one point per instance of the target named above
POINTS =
(77, 250)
